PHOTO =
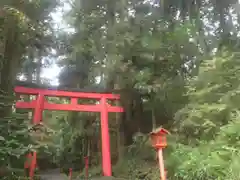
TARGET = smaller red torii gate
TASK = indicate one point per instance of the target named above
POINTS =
(41, 104)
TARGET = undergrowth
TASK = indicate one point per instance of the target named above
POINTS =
(15, 141)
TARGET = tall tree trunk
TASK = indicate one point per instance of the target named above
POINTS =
(38, 70)
(10, 61)
(154, 122)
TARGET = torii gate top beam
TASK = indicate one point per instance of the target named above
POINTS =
(62, 93)
(73, 106)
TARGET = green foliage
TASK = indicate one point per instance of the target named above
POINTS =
(15, 139)
(209, 123)
(24, 25)
(212, 97)
(68, 143)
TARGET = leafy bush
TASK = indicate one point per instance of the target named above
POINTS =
(14, 139)
(208, 147)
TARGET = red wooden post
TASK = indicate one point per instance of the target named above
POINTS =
(161, 164)
(33, 165)
(27, 163)
(38, 111)
(70, 174)
(106, 156)
(37, 118)
(86, 166)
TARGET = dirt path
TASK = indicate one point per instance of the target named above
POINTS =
(53, 175)
(56, 175)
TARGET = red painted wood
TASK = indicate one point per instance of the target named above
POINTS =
(70, 174)
(37, 117)
(33, 165)
(56, 93)
(86, 166)
(74, 101)
(106, 154)
(67, 107)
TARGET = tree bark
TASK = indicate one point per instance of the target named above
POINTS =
(11, 59)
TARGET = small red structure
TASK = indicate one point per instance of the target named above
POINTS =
(41, 104)
(70, 174)
(159, 142)
(159, 138)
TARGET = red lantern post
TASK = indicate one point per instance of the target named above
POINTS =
(159, 142)
(70, 174)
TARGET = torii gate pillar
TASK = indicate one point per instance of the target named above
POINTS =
(106, 154)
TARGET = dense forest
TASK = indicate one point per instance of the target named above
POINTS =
(175, 64)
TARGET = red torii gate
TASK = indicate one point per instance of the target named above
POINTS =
(41, 104)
